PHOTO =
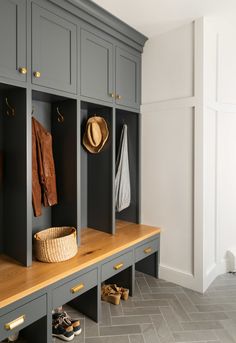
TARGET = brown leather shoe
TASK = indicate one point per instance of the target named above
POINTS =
(124, 292)
(110, 295)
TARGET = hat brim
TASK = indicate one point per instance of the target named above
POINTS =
(104, 131)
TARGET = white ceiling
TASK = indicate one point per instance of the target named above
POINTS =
(153, 17)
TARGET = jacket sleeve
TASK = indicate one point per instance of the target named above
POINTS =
(36, 188)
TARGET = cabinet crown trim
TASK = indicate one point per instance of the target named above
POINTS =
(91, 12)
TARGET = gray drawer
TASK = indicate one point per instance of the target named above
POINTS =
(72, 289)
(116, 265)
(146, 249)
(22, 316)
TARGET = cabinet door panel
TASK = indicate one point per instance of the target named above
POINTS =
(96, 67)
(13, 38)
(54, 50)
(127, 78)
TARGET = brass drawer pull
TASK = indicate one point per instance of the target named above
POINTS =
(119, 97)
(77, 288)
(148, 250)
(112, 95)
(15, 323)
(118, 266)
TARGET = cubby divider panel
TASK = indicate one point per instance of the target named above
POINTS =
(65, 157)
(132, 120)
(97, 175)
(1, 176)
(13, 174)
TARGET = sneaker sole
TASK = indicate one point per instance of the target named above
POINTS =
(78, 332)
(67, 339)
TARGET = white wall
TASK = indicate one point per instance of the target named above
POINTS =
(189, 148)
(172, 150)
(220, 143)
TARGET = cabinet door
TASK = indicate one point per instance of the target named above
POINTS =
(128, 80)
(53, 51)
(13, 39)
(96, 67)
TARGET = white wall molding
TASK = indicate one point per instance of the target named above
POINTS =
(168, 104)
(198, 153)
(221, 107)
(191, 69)
(220, 102)
(181, 214)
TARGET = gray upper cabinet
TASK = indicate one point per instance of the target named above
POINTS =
(96, 67)
(13, 39)
(54, 52)
(128, 74)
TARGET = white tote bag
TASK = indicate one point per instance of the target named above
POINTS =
(122, 180)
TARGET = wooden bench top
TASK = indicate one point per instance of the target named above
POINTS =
(17, 281)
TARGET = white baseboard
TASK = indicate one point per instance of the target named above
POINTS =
(187, 280)
(213, 272)
(180, 278)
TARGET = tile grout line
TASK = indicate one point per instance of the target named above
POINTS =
(139, 290)
(167, 322)
(148, 285)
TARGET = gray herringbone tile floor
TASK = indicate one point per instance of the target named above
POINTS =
(162, 312)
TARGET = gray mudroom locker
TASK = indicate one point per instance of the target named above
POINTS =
(64, 62)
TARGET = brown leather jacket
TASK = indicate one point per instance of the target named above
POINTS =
(43, 169)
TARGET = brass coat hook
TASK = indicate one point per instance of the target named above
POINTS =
(60, 117)
(32, 112)
(10, 110)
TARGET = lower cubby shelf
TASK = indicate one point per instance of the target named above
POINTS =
(27, 300)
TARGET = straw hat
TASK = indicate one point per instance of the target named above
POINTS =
(96, 134)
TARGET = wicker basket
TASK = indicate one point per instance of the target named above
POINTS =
(55, 244)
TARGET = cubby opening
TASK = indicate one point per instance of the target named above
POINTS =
(97, 175)
(123, 279)
(132, 120)
(14, 227)
(85, 303)
(27, 335)
(58, 115)
(148, 265)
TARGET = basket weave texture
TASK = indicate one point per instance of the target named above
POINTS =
(55, 244)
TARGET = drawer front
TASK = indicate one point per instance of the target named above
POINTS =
(72, 289)
(146, 249)
(116, 265)
(22, 316)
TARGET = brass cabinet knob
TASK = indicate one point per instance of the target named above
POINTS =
(112, 95)
(23, 70)
(119, 97)
(37, 74)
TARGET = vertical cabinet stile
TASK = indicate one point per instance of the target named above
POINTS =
(13, 44)
(14, 170)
